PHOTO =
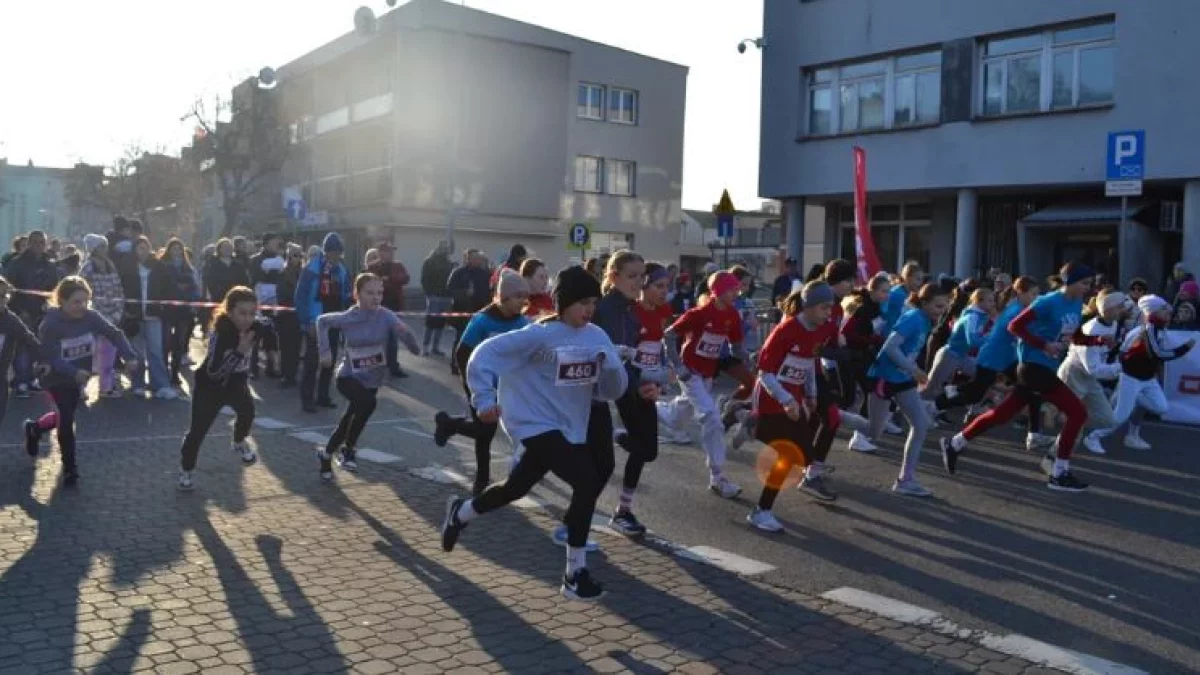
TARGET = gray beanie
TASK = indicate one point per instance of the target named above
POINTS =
(817, 293)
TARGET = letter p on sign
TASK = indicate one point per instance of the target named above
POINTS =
(1127, 146)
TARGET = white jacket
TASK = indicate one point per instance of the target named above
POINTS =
(1091, 360)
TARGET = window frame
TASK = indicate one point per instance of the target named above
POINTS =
(846, 229)
(610, 179)
(618, 93)
(599, 187)
(603, 107)
(829, 77)
(1046, 54)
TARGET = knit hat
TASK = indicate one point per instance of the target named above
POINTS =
(333, 243)
(91, 242)
(1112, 301)
(572, 285)
(1077, 273)
(511, 284)
(722, 282)
(817, 293)
(1151, 303)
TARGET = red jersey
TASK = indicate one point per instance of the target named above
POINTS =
(538, 304)
(792, 354)
(705, 330)
(654, 323)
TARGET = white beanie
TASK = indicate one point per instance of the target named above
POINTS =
(91, 242)
(1150, 304)
(1112, 301)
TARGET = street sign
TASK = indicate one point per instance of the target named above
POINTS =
(1125, 163)
(296, 209)
(579, 236)
(725, 225)
(316, 219)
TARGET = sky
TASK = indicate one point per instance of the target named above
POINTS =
(83, 80)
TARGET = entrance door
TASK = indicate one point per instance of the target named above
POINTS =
(1090, 248)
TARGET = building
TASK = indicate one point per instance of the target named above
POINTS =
(450, 121)
(33, 198)
(757, 243)
(985, 126)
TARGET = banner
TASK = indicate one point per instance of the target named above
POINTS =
(1181, 383)
(864, 245)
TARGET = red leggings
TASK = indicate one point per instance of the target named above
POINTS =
(1034, 381)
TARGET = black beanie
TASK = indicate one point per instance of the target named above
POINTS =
(838, 271)
(572, 285)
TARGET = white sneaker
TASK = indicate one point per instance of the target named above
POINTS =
(1092, 443)
(724, 487)
(764, 520)
(1036, 442)
(167, 394)
(911, 488)
(1134, 441)
(860, 443)
(243, 449)
(185, 481)
(892, 428)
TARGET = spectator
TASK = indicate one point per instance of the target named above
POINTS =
(370, 258)
(537, 277)
(266, 268)
(177, 320)
(435, 272)
(32, 270)
(241, 252)
(323, 287)
(18, 245)
(684, 293)
(782, 287)
(1185, 316)
(516, 256)
(146, 283)
(395, 278)
(1179, 274)
(469, 290)
(224, 271)
(108, 298)
(287, 326)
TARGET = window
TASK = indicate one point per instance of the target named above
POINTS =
(901, 232)
(621, 177)
(589, 174)
(895, 92)
(622, 106)
(591, 101)
(1050, 70)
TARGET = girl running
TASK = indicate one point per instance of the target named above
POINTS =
(538, 279)
(502, 316)
(221, 379)
(1043, 331)
(68, 334)
(863, 330)
(551, 372)
(364, 330)
(1086, 368)
(967, 336)
(14, 335)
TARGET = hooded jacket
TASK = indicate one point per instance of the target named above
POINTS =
(308, 299)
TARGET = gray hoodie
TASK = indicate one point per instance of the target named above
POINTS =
(68, 345)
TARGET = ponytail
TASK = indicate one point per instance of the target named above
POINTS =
(1023, 284)
(793, 304)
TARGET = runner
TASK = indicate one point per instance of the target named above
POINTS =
(898, 377)
(540, 302)
(502, 316)
(1043, 331)
(551, 372)
(363, 331)
(1086, 368)
(968, 334)
(68, 334)
(864, 333)
(14, 335)
(221, 379)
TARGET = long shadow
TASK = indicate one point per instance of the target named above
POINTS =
(121, 658)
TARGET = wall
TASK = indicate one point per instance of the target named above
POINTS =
(41, 191)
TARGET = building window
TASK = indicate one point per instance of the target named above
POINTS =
(591, 101)
(622, 106)
(901, 232)
(1056, 69)
(894, 92)
(621, 177)
(589, 174)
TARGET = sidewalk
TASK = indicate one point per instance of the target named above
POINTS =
(268, 569)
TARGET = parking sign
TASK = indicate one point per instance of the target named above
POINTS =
(1125, 163)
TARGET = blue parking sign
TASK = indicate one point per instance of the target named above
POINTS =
(1126, 158)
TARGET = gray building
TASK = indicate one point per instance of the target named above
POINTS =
(504, 131)
(985, 126)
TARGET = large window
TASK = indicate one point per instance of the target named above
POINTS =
(622, 106)
(901, 232)
(589, 174)
(887, 93)
(1055, 69)
(591, 101)
(621, 177)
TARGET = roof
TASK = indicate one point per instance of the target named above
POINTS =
(1098, 213)
(440, 14)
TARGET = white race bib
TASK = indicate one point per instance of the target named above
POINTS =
(649, 355)
(709, 346)
(577, 367)
(267, 294)
(795, 370)
(365, 358)
(76, 348)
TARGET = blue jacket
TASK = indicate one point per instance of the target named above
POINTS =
(308, 305)
(967, 333)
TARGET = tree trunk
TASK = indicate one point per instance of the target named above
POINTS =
(233, 211)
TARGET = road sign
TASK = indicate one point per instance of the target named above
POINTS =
(316, 219)
(725, 225)
(1125, 163)
(579, 236)
(296, 209)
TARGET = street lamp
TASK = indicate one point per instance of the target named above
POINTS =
(759, 43)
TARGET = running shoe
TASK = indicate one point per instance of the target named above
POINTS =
(627, 524)
(949, 455)
(579, 586)
(764, 520)
(1066, 482)
(451, 527)
(724, 487)
(815, 487)
(911, 488)
(560, 539)
(860, 443)
(1134, 441)
(33, 437)
(1035, 441)
(346, 459)
(442, 431)
(243, 449)
(326, 464)
(1092, 444)
(185, 481)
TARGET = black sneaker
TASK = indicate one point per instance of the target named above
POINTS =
(33, 437)
(451, 528)
(815, 488)
(326, 464)
(579, 586)
(949, 455)
(442, 431)
(627, 524)
(1066, 482)
(346, 460)
(70, 476)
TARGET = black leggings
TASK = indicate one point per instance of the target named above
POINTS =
(641, 435)
(573, 463)
(207, 401)
(360, 404)
(482, 433)
(974, 392)
(66, 398)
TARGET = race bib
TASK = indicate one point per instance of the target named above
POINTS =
(649, 355)
(796, 370)
(267, 294)
(576, 367)
(365, 358)
(76, 348)
(709, 346)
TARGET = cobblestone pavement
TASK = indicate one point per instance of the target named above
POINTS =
(267, 569)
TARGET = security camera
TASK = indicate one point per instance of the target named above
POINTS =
(757, 42)
(741, 47)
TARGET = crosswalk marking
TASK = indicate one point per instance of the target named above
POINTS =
(310, 437)
(376, 456)
(271, 423)
(730, 562)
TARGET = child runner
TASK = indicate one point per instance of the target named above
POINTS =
(897, 377)
(502, 316)
(705, 330)
(221, 379)
(551, 373)
(1043, 331)
(364, 331)
(68, 334)
(538, 278)
(967, 335)
(1145, 349)
(1086, 368)
(625, 276)
(14, 334)
(864, 330)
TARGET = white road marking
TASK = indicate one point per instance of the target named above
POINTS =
(423, 434)
(730, 562)
(1013, 644)
(440, 474)
(310, 437)
(530, 502)
(271, 423)
(376, 456)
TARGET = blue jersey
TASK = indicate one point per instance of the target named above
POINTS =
(913, 326)
(1056, 319)
(894, 307)
(487, 323)
(999, 350)
(967, 333)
